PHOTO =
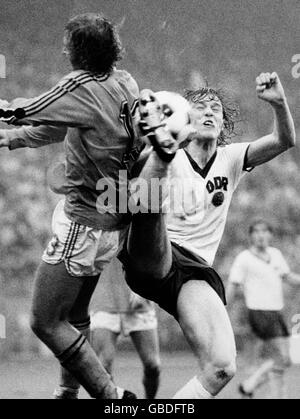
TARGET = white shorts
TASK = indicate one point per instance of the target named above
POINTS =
(124, 324)
(84, 250)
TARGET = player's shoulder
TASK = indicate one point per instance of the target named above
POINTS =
(275, 252)
(124, 77)
(233, 148)
(122, 74)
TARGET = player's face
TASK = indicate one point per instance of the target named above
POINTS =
(261, 236)
(207, 118)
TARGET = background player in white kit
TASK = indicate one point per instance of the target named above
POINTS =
(168, 256)
(260, 272)
(117, 311)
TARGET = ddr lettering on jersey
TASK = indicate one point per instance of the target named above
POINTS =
(200, 199)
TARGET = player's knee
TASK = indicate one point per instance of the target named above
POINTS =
(42, 328)
(220, 373)
(39, 327)
(224, 371)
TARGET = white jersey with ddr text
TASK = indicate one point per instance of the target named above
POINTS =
(261, 281)
(200, 198)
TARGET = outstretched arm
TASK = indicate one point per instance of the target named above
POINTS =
(292, 278)
(269, 89)
(67, 104)
(31, 137)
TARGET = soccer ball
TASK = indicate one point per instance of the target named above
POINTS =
(176, 110)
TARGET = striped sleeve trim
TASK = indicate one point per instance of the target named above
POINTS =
(59, 91)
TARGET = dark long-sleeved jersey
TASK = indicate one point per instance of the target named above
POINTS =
(95, 116)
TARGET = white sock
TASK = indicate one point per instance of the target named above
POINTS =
(193, 390)
(259, 377)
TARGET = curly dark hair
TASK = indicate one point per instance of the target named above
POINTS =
(230, 110)
(92, 43)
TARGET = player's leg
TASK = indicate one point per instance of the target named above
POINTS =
(148, 243)
(105, 343)
(56, 293)
(147, 346)
(106, 329)
(206, 325)
(260, 377)
(279, 349)
(268, 325)
(79, 318)
(149, 246)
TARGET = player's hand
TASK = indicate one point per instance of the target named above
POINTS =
(4, 140)
(270, 89)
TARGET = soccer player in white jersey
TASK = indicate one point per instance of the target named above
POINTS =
(117, 312)
(168, 257)
(260, 272)
(92, 107)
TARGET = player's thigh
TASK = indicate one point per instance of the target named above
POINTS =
(55, 293)
(206, 325)
(146, 343)
(148, 246)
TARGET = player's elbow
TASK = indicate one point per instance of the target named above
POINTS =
(291, 141)
(287, 141)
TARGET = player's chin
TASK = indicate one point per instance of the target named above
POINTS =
(205, 135)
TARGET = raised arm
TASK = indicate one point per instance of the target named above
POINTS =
(270, 89)
(32, 137)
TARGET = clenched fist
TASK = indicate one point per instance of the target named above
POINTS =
(270, 89)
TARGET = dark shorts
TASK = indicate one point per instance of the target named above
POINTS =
(268, 324)
(186, 266)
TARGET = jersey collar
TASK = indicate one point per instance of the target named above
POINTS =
(202, 172)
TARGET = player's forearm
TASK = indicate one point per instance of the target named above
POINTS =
(284, 130)
(34, 137)
(60, 112)
(293, 278)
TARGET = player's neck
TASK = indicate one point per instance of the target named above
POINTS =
(259, 250)
(202, 151)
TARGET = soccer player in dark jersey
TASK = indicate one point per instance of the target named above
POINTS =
(169, 254)
(92, 109)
